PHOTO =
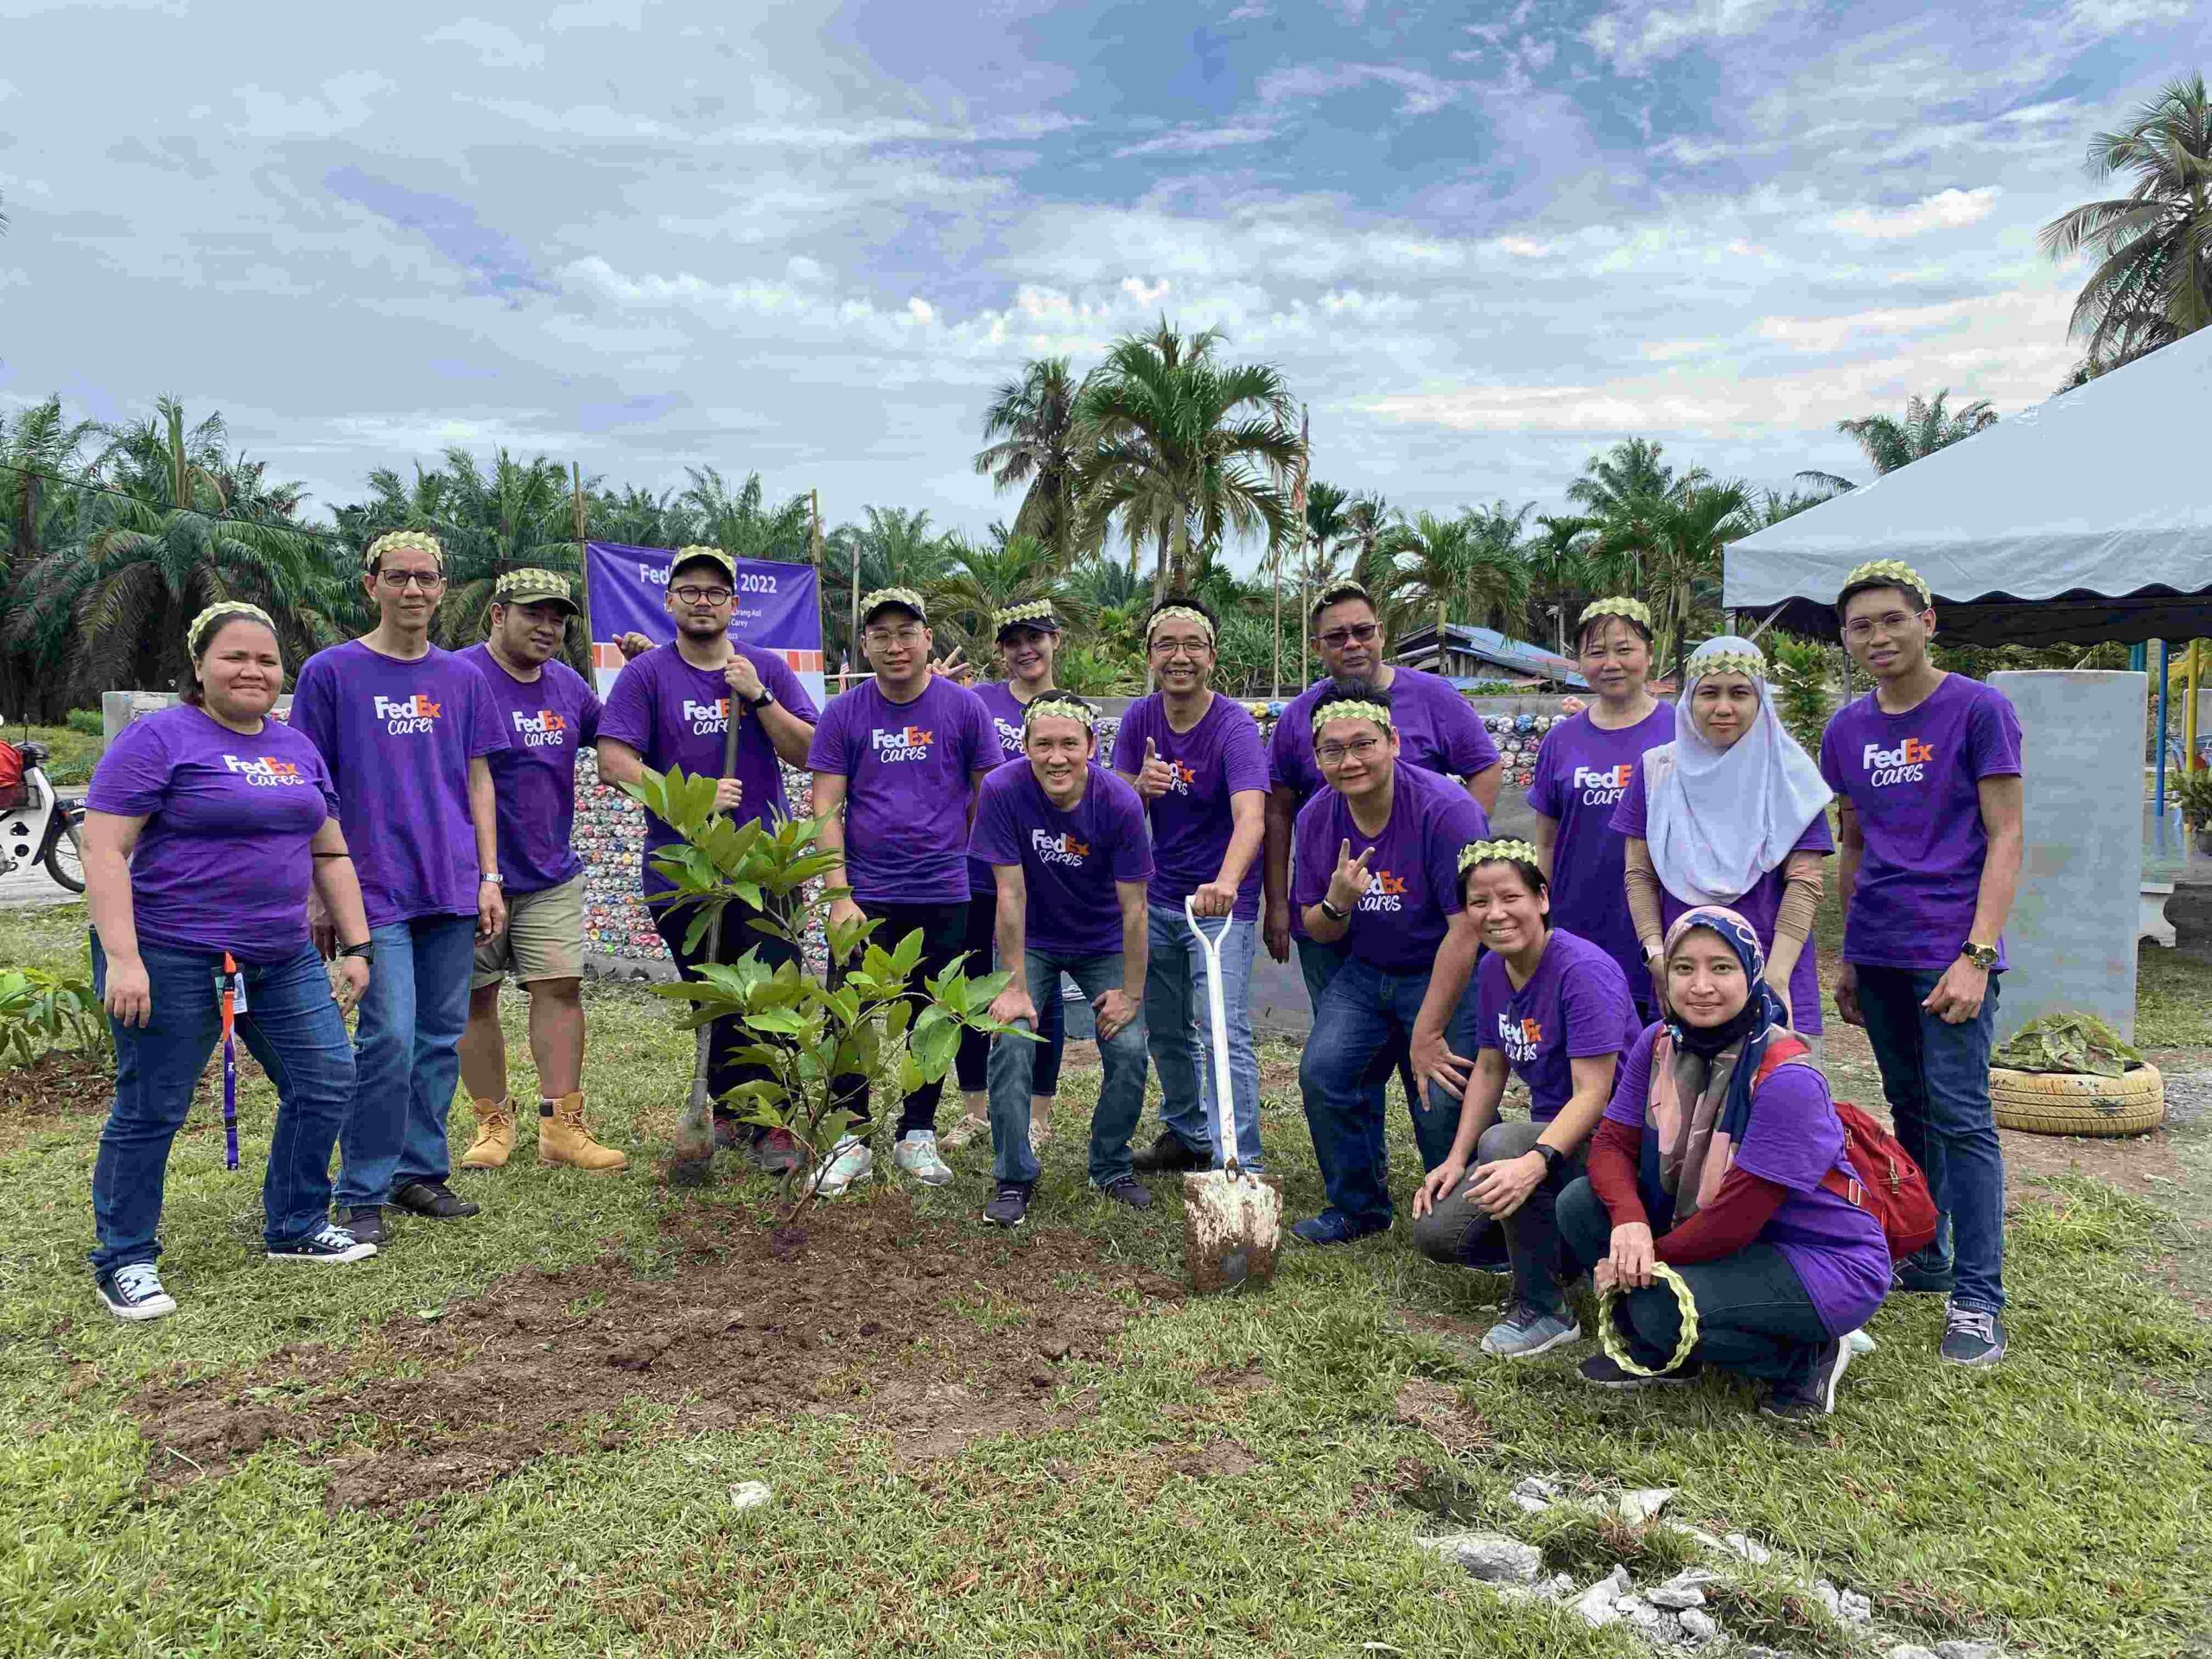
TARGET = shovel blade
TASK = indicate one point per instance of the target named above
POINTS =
(1232, 1229)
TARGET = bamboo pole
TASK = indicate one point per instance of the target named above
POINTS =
(580, 521)
(2188, 710)
(853, 636)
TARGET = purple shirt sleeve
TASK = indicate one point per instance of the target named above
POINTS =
(1467, 745)
(1993, 737)
(1129, 742)
(993, 839)
(589, 714)
(1628, 817)
(1132, 846)
(627, 715)
(1492, 992)
(1544, 792)
(485, 735)
(1632, 1083)
(827, 753)
(1309, 876)
(1594, 1004)
(315, 709)
(132, 779)
(1279, 758)
(1831, 768)
(1817, 838)
(1460, 822)
(979, 737)
(1243, 763)
(1794, 1136)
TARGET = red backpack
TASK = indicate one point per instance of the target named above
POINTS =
(1889, 1187)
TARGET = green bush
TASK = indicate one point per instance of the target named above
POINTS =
(41, 1011)
(86, 721)
(2192, 792)
(1801, 671)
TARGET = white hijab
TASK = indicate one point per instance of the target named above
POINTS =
(1717, 820)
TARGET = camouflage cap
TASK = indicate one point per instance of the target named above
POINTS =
(700, 553)
(535, 587)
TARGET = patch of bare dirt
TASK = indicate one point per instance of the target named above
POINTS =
(1437, 1411)
(61, 1083)
(914, 1327)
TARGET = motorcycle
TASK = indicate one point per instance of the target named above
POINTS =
(43, 827)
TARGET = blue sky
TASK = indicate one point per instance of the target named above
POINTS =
(1481, 242)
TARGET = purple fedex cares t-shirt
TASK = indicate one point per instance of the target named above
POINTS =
(1914, 780)
(1582, 770)
(398, 737)
(223, 862)
(1759, 906)
(1575, 1006)
(1191, 824)
(547, 721)
(907, 767)
(1070, 861)
(1005, 711)
(1794, 1140)
(1437, 731)
(676, 715)
(1413, 890)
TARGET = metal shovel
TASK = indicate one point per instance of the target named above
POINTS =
(1232, 1217)
(691, 1155)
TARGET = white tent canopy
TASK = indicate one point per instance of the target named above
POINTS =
(2087, 517)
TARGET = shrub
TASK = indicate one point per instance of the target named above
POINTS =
(41, 1011)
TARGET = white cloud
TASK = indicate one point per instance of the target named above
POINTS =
(496, 45)
(1947, 210)
(1195, 141)
(1634, 37)
(1419, 92)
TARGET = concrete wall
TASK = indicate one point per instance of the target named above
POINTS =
(2072, 938)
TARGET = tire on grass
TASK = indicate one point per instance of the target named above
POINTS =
(2044, 1103)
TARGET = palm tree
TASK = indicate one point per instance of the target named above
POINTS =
(1628, 470)
(1471, 563)
(1177, 445)
(1033, 420)
(894, 548)
(980, 582)
(39, 449)
(1559, 563)
(515, 515)
(2152, 283)
(1890, 443)
(1679, 538)
(742, 524)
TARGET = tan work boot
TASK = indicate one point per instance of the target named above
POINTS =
(495, 1135)
(562, 1138)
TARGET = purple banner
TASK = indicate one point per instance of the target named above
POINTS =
(779, 608)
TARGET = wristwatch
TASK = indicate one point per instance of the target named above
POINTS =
(1553, 1157)
(1332, 912)
(366, 951)
(493, 877)
(1983, 957)
(761, 702)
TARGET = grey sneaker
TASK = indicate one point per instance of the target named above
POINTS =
(916, 1155)
(1813, 1394)
(1972, 1335)
(850, 1161)
(1528, 1331)
(134, 1292)
(1010, 1205)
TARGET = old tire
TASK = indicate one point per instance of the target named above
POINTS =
(2044, 1103)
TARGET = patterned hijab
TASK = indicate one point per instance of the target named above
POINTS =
(1717, 820)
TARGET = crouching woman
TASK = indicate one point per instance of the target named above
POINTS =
(1722, 1157)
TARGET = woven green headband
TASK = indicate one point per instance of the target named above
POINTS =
(1038, 612)
(1059, 708)
(1895, 571)
(902, 596)
(1492, 852)
(1632, 610)
(1178, 614)
(392, 540)
(1749, 664)
(1609, 1334)
(202, 627)
(1345, 709)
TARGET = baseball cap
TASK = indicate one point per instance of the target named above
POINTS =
(535, 587)
(698, 554)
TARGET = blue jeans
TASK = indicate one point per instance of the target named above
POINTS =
(972, 1065)
(289, 1024)
(1363, 1025)
(1177, 1011)
(406, 1058)
(1317, 966)
(1014, 1071)
(1936, 1077)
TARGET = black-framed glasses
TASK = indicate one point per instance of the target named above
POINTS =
(1357, 634)
(400, 581)
(702, 595)
(1364, 747)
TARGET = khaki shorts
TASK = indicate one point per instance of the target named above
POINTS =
(544, 937)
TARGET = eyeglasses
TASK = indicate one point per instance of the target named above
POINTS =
(702, 595)
(909, 635)
(1863, 627)
(1357, 634)
(403, 580)
(1170, 647)
(1330, 753)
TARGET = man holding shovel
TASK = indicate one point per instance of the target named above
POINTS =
(672, 706)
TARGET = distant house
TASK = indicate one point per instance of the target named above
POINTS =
(1471, 655)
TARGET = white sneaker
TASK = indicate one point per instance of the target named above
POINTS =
(848, 1161)
(916, 1153)
(134, 1292)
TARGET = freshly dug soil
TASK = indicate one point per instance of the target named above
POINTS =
(61, 1083)
(919, 1328)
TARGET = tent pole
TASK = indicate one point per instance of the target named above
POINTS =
(2188, 709)
(2165, 673)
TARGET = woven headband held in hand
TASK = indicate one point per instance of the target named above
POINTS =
(1051, 708)
(1344, 709)
(1178, 614)
(202, 626)
(393, 541)
(1492, 852)
(1608, 1333)
(1749, 664)
(1894, 572)
(1620, 604)
(1037, 614)
(905, 597)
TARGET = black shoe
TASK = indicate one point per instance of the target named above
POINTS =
(1604, 1371)
(364, 1222)
(1910, 1275)
(1169, 1154)
(332, 1245)
(1011, 1204)
(432, 1199)
(1127, 1189)
(1812, 1392)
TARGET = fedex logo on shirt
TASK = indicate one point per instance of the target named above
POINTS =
(1009, 736)
(1602, 786)
(414, 714)
(544, 729)
(1385, 893)
(1063, 849)
(1906, 764)
(707, 717)
(1520, 1038)
(263, 773)
(1181, 779)
(907, 743)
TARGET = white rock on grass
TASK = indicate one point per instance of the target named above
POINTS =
(1830, 1596)
(750, 1495)
(1750, 1549)
(1699, 1627)
(1598, 1604)
(1640, 1504)
(1854, 1608)
(1490, 1556)
(1534, 1494)
(1910, 1650)
(1676, 1596)
(1968, 1651)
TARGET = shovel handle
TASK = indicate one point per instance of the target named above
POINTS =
(1217, 1011)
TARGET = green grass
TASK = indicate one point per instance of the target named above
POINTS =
(70, 754)
(2055, 1502)
(2173, 999)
